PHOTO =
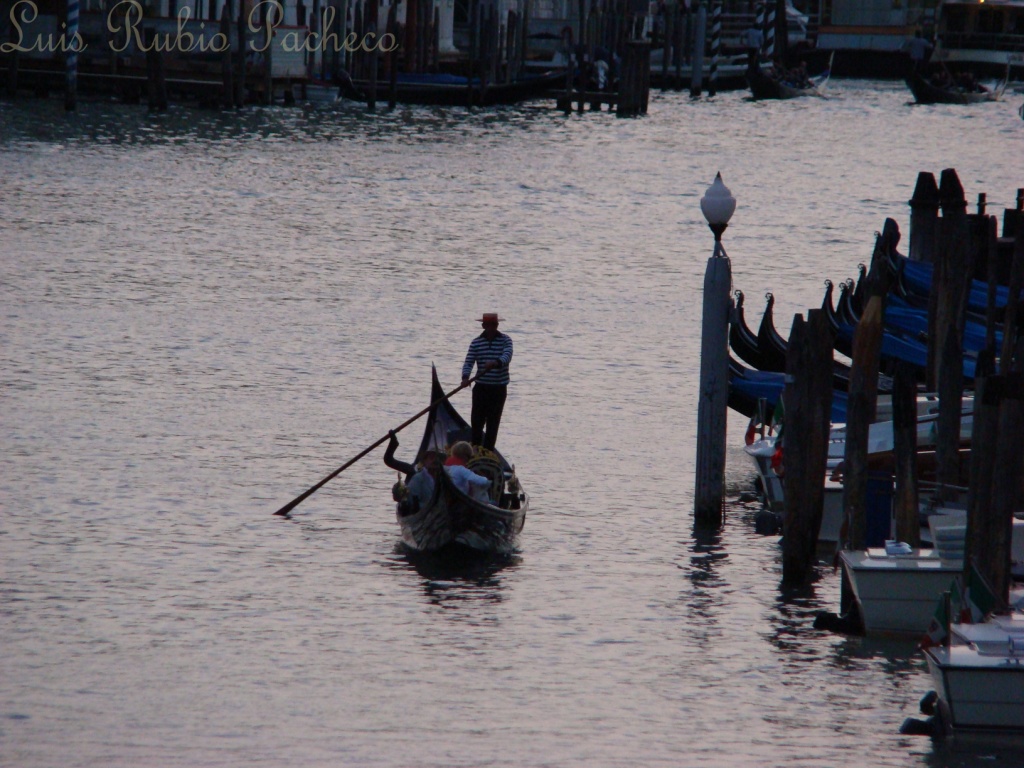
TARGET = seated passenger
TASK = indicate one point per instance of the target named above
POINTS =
(421, 485)
(466, 480)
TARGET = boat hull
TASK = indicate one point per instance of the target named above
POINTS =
(898, 594)
(981, 692)
(926, 93)
(452, 517)
(456, 92)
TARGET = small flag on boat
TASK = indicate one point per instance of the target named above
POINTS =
(777, 416)
(751, 431)
(979, 599)
(938, 629)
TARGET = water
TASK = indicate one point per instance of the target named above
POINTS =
(205, 314)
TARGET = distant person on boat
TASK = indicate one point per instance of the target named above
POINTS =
(465, 479)
(491, 352)
(918, 49)
(754, 39)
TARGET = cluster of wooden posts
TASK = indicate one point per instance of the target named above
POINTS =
(960, 246)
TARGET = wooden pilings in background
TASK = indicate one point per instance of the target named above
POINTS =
(227, 96)
(155, 74)
(808, 399)
(635, 80)
(701, 21)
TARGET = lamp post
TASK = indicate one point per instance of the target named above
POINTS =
(717, 205)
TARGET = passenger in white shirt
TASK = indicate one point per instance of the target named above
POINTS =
(466, 480)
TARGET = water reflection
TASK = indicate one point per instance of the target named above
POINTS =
(457, 577)
(707, 554)
(795, 610)
(100, 122)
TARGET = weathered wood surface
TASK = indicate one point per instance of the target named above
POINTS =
(808, 399)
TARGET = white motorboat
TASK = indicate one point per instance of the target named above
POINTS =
(897, 587)
(979, 676)
(896, 590)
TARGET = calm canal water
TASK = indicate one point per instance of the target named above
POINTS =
(204, 314)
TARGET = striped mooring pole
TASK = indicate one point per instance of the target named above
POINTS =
(71, 62)
(760, 24)
(769, 34)
(716, 45)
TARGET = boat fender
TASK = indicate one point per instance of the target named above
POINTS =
(930, 727)
(928, 703)
(767, 523)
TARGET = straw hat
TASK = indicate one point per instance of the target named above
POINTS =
(490, 317)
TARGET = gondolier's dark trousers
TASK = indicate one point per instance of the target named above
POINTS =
(488, 403)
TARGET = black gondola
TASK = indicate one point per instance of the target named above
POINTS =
(744, 342)
(452, 518)
(927, 92)
(764, 85)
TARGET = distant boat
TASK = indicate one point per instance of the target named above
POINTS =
(730, 73)
(452, 518)
(929, 92)
(765, 85)
(983, 37)
(455, 90)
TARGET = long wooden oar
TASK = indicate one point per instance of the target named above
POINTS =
(299, 499)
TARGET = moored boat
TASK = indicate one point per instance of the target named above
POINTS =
(451, 517)
(987, 37)
(455, 90)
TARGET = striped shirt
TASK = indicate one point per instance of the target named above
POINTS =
(482, 351)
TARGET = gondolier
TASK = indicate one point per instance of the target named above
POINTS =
(491, 352)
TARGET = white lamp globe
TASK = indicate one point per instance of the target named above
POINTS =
(718, 205)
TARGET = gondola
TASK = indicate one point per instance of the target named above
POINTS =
(926, 92)
(767, 350)
(744, 342)
(454, 90)
(748, 386)
(769, 339)
(451, 519)
(766, 86)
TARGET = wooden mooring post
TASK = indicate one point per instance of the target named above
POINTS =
(155, 75)
(863, 395)
(904, 427)
(808, 399)
(924, 219)
(227, 97)
(635, 80)
(700, 31)
(712, 407)
(948, 302)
